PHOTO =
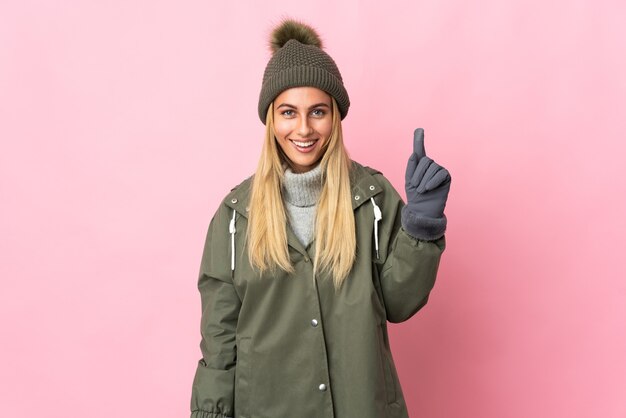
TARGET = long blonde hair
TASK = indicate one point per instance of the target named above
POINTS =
(335, 246)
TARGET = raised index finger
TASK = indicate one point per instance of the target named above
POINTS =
(418, 143)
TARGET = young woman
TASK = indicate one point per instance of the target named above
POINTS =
(306, 261)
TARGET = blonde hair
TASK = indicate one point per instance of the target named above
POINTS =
(335, 235)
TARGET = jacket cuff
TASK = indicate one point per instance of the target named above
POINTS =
(208, 414)
(422, 227)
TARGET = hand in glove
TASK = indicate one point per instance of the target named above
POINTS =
(427, 186)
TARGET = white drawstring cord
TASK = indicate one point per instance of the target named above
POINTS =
(378, 215)
(232, 231)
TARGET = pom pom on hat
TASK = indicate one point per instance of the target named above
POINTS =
(293, 29)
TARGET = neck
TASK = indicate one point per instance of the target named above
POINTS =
(302, 189)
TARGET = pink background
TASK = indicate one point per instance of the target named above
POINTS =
(124, 123)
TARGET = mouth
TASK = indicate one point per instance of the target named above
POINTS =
(304, 146)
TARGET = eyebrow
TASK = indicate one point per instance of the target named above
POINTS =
(292, 106)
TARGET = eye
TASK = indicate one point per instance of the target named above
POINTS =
(284, 112)
(321, 112)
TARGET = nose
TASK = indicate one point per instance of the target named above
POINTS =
(304, 128)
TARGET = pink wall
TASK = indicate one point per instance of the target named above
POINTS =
(123, 124)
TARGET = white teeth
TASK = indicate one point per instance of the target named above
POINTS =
(303, 144)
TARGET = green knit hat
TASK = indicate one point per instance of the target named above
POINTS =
(298, 60)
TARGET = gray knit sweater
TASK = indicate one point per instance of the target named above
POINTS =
(301, 192)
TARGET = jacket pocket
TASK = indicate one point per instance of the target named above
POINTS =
(390, 384)
(243, 378)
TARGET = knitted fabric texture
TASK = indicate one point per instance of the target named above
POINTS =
(297, 64)
(301, 192)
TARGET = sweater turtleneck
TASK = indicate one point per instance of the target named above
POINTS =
(301, 192)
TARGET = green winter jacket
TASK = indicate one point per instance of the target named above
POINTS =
(288, 346)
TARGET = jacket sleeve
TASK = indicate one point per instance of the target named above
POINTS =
(214, 381)
(409, 269)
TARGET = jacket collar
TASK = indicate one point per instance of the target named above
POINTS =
(363, 184)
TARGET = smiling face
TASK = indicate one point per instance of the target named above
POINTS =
(302, 125)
